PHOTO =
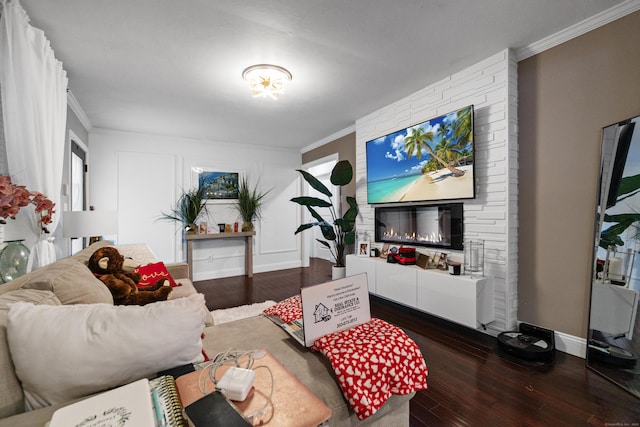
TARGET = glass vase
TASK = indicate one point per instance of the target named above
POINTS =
(13, 260)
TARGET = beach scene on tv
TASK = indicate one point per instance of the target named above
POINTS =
(432, 160)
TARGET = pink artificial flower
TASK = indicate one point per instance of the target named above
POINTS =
(13, 197)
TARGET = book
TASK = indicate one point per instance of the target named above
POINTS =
(128, 405)
(143, 403)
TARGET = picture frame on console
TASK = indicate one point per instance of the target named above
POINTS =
(203, 227)
(422, 261)
(385, 250)
(364, 248)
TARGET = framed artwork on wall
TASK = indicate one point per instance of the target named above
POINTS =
(216, 184)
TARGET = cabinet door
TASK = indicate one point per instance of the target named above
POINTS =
(613, 309)
(450, 297)
(396, 282)
(357, 265)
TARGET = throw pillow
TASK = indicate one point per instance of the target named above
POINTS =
(71, 281)
(11, 396)
(151, 273)
(138, 252)
(66, 352)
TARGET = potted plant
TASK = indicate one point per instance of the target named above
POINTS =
(188, 209)
(341, 230)
(249, 204)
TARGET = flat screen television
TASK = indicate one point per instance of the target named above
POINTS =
(429, 161)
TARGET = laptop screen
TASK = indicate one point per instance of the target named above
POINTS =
(334, 306)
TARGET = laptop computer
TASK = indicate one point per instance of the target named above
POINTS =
(331, 307)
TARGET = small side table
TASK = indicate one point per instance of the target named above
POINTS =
(248, 247)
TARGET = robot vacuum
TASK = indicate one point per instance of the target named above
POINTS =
(529, 343)
(611, 355)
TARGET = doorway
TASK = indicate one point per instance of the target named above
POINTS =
(78, 180)
(321, 169)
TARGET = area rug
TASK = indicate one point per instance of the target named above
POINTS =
(240, 312)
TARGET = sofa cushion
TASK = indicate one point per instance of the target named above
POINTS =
(71, 281)
(94, 347)
(11, 396)
(140, 253)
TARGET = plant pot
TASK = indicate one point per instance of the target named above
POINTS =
(190, 229)
(338, 272)
(247, 226)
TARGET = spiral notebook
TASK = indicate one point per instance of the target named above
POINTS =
(168, 400)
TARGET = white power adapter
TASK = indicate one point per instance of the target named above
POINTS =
(236, 383)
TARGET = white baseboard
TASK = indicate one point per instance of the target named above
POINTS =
(239, 271)
(570, 344)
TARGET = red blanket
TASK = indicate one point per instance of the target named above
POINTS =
(372, 361)
(287, 310)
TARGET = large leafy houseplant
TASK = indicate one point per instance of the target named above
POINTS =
(341, 230)
(629, 187)
(249, 204)
(190, 206)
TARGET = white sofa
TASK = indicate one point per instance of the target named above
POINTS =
(67, 283)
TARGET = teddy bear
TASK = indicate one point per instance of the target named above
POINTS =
(108, 265)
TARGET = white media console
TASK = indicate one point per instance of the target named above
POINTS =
(460, 299)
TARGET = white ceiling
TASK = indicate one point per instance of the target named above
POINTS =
(172, 67)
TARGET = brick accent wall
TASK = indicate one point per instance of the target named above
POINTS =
(491, 86)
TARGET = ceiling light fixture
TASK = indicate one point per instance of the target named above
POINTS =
(266, 79)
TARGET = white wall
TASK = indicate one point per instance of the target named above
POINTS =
(491, 86)
(157, 168)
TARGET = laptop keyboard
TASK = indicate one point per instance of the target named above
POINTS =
(297, 329)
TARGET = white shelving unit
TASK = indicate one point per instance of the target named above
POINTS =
(460, 299)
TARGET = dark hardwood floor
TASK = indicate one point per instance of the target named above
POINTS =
(469, 383)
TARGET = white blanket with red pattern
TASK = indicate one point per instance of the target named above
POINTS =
(371, 361)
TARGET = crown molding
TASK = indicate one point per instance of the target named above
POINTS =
(596, 21)
(330, 138)
(73, 103)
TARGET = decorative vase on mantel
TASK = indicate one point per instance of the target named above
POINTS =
(190, 229)
(247, 226)
(338, 272)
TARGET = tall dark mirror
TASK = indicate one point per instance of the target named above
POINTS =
(614, 326)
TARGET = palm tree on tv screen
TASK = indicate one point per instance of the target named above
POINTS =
(463, 127)
(417, 140)
(413, 143)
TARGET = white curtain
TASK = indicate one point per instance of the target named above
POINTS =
(33, 86)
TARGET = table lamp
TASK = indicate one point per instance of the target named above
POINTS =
(92, 224)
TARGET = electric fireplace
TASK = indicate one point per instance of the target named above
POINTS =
(435, 226)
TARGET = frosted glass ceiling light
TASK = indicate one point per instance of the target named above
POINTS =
(266, 79)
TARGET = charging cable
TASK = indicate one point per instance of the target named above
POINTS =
(238, 359)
